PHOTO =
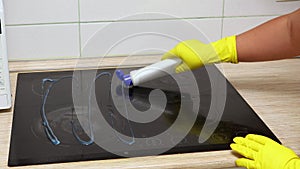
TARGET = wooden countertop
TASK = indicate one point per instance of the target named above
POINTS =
(271, 88)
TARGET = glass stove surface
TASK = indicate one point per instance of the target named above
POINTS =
(30, 144)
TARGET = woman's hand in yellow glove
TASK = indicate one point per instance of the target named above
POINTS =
(264, 153)
(195, 54)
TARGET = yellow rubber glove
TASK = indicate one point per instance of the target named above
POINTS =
(263, 153)
(196, 54)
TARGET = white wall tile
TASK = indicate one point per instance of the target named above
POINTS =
(144, 37)
(95, 10)
(258, 7)
(61, 40)
(42, 41)
(40, 11)
(234, 26)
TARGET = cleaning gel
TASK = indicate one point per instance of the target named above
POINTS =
(148, 73)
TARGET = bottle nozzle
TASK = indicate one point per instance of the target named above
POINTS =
(125, 78)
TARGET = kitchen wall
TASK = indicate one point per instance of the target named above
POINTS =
(59, 29)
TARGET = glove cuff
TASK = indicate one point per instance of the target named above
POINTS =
(283, 160)
(226, 49)
(293, 163)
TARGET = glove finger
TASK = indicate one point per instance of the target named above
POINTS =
(182, 68)
(169, 54)
(244, 162)
(259, 139)
(244, 151)
(248, 143)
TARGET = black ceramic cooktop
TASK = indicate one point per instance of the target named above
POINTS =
(47, 129)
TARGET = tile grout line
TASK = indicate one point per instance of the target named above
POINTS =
(222, 20)
(171, 19)
(79, 30)
(147, 20)
(40, 24)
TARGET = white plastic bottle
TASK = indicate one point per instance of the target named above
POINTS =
(148, 73)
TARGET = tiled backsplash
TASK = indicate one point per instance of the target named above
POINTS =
(40, 11)
(97, 10)
(47, 41)
(59, 29)
(258, 7)
(142, 37)
(237, 25)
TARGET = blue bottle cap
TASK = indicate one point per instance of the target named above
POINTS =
(125, 78)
